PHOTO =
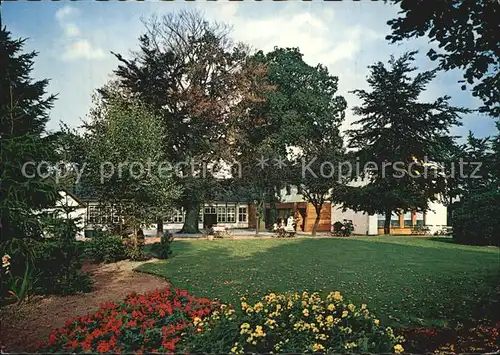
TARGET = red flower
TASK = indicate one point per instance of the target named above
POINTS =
(103, 347)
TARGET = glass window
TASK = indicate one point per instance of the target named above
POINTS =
(242, 214)
(210, 210)
(380, 220)
(231, 214)
(407, 219)
(93, 215)
(221, 214)
(419, 219)
(394, 220)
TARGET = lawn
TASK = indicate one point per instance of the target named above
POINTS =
(404, 280)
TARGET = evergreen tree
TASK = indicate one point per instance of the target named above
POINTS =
(397, 133)
(24, 107)
(467, 34)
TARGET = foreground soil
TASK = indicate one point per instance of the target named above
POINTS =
(22, 326)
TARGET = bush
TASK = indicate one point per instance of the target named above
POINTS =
(134, 249)
(103, 247)
(163, 249)
(48, 266)
(60, 266)
(148, 323)
(291, 323)
(476, 220)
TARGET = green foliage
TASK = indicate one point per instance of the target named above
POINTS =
(163, 249)
(191, 71)
(51, 265)
(122, 132)
(476, 221)
(467, 35)
(292, 323)
(134, 249)
(103, 247)
(24, 109)
(397, 133)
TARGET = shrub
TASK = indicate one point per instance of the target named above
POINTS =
(134, 249)
(163, 249)
(103, 247)
(291, 323)
(476, 221)
(60, 266)
(49, 265)
(59, 260)
(148, 323)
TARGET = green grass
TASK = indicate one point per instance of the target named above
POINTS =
(404, 280)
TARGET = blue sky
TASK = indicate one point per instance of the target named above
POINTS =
(74, 40)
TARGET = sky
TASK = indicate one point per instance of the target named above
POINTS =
(75, 39)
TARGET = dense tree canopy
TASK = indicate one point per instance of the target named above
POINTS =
(468, 38)
(24, 107)
(396, 128)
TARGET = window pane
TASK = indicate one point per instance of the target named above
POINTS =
(407, 219)
(420, 218)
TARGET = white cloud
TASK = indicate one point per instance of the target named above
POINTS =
(65, 12)
(75, 46)
(71, 30)
(82, 49)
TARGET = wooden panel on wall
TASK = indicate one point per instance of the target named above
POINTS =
(325, 216)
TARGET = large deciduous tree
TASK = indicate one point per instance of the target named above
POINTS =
(125, 161)
(397, 132)
(309, 114)
(24, 107)
(186, 70)
(468, 38)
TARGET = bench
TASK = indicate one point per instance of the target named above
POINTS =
(220, 232)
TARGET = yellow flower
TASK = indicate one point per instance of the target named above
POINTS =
(329, 319)
(196, 320)
(344, 314)
(244, 305)
(318, 347)
(304, 303)
(245, 326)
(376, 321)
(321, 336)
(290, 304)
(258, 330)
(363, 306)
(258, 307)
(398, 348)
(351, 307)
(234, 349)
(254, 342)
(331, 307)
(305, 312)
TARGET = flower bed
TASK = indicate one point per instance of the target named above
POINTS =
(171, 320)
(147, 323)
(291, 323)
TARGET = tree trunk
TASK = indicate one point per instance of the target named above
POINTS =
(159, 227)
(191, 221)
(316, 221)
(387, 222)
